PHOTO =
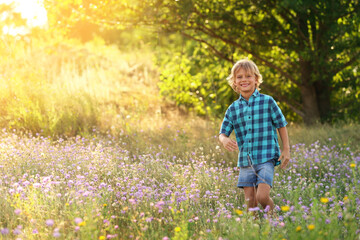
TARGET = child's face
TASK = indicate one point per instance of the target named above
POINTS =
(245, 82)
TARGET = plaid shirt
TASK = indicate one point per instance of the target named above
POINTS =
(255, 123)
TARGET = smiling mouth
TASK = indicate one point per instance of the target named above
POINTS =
(244, 85)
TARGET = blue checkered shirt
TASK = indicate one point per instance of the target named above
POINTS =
(255, 123)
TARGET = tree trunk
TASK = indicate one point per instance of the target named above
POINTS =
(323, 93)
(308, 94)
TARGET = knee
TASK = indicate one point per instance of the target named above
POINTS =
(262, 198)
(250, 199)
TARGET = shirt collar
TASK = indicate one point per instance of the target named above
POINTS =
(255, 94)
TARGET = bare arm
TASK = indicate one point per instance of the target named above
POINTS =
(228, 143)
(285, 154)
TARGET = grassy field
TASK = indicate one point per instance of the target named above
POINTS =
(90, 151)
(102, 187)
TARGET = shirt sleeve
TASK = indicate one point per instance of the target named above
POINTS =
(277, 116)
(227, 125)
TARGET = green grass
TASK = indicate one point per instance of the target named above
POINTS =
(347, 134)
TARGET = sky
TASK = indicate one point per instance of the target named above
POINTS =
(32, 10)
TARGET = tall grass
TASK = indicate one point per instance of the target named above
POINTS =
(58, 86)
(348, 134)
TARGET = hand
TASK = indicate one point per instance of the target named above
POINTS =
(228, 143)
(285, 156)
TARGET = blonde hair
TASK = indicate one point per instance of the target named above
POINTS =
(249, 67)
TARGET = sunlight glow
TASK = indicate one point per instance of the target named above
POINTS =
(32, 10)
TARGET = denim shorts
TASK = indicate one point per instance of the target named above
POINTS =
(252, 175)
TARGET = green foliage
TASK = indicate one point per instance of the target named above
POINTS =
(193, 77)
(185, 80)
(305, 51)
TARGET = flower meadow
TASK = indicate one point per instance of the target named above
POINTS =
(99, 187)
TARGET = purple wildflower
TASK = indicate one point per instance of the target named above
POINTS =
(49, 222)
(254, 209)
(56, 233)
(17, 211)
(78, 220)
(4, 231)
(109, 236)
(17, 231)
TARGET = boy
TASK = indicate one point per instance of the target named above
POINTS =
(254, 117)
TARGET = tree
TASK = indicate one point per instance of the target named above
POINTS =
(308, 51)
(314, 47)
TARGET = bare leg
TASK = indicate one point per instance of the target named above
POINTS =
(263, 196)
(250, 197)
